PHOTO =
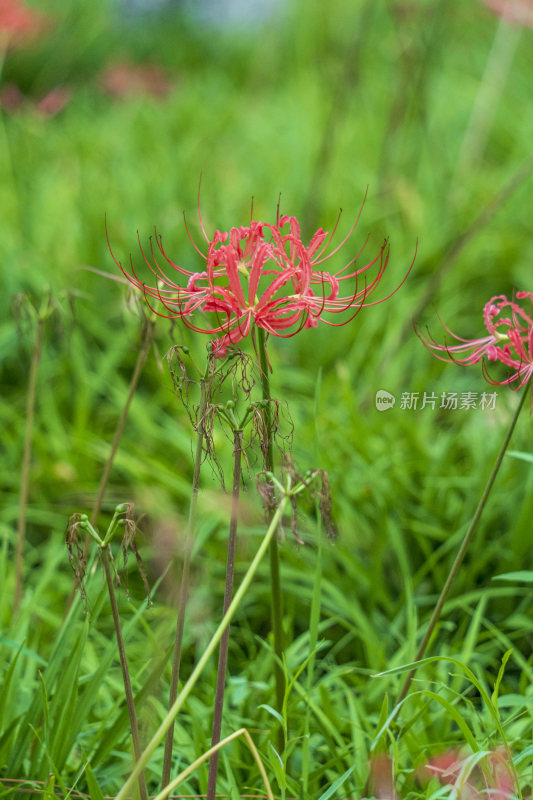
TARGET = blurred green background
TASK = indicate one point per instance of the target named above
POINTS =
(114, 111)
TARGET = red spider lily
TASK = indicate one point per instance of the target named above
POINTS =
(509, 340)
(19, 23)
(381, 777)
(261, 275)
(480, 775)
(519, 12)
(123, 79)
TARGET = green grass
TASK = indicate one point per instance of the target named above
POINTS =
(318, 106)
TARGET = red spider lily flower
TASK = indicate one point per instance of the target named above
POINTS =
(381, 777)
(260, 276)
(474, 777)
(50, 104)
(54, 101)
(509, 340)
(127, 80)
(19, 23)
(519, 12)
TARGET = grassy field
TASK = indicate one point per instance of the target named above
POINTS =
(319, 106)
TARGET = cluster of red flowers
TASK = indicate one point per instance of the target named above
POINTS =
(510, 339)
(20, 26)
(261, 275)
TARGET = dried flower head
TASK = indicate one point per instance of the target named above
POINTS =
(509, 339)
(261, 275)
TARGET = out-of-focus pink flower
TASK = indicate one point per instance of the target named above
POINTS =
(381, 778)
(510, 340)
(125, 79)
(261, 275)
(518, 11)
(12, 99)
(54, 101)
(19, 23)
(475, 777)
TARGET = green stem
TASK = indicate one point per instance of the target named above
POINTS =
(314, 614)
(228, 592)
(125, 672)
(185, 692)
(489, 92)
(275, 582)
(461, 552)
(186, 569)
(190, 769)
(25, 472)
(438, 265)
(340, 94)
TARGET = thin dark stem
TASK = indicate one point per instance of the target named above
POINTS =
(146, 341)
(275, 582)
(344, 90)
(228, 594)
(438, 266)
(186, 569)
(125, 672)
(409, 96)
(25, 472)
(461, 552)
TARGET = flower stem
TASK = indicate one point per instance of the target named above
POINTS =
(146, 341)
(125, 672)
(228, 592)
(186, 569)
(190, 769)
(314, 613)
(25, 471)
(275, 582)
(489, 92)
(461, 552)
(206, 655)
(345, 86)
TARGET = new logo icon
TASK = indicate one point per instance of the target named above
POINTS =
(384, 400)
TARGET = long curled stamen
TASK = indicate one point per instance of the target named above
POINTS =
(261, 275)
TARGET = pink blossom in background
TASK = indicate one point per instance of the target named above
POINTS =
(54, 101)
(19, 23)
(381, 778)
(125, 80)
(509, 340)
(11, 98)
(260, 275)
(19, 26)
(479, 776)
(516, 11)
